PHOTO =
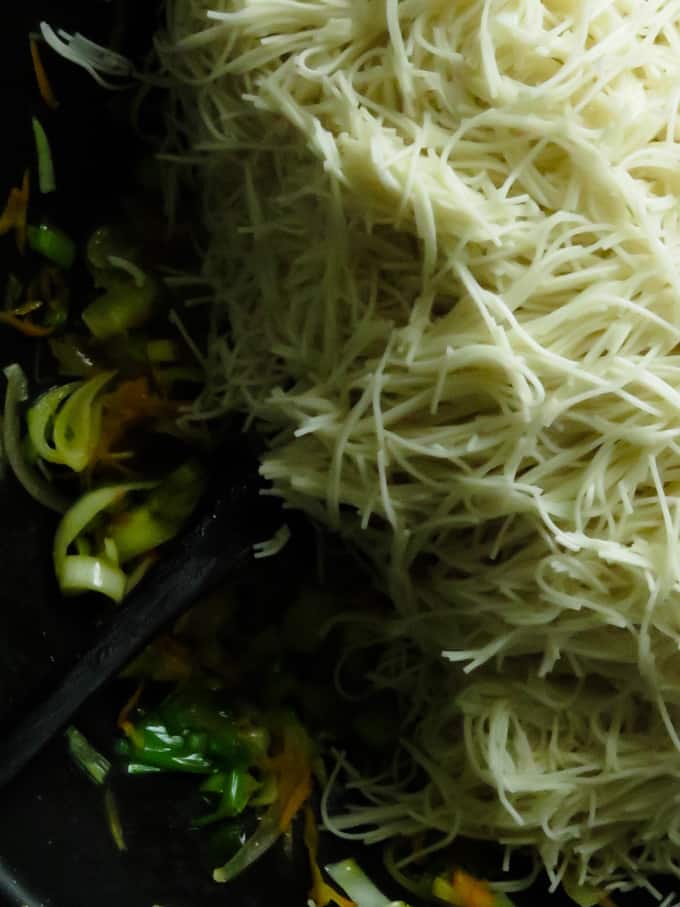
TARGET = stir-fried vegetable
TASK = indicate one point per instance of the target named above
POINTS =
(464, 890)
(321, 892)
(247, 759)
(158, 519)
(17, 319)
(291, 769)
(190, 732)
(64, 424)
(41, 77)
(94, 58)
(584, 896)
(103, 531)
(96, 766)
(350, 876)
(121, 308)
(113, 818)
(95, 565)
(35, 484)
(46, 179)
(53, 244)
(14, 217)
(46, 295)
(108, 537)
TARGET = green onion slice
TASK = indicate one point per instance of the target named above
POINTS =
(46, 179)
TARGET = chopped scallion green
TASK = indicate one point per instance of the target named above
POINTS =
(46, 179)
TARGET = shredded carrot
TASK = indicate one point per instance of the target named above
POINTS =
(321, 892)
(47, 289)
(292, 769)
(471, 891)
(15, 319)
(124, 722)
(44, 86)
(298, 797)
(463, 890)
(132, 403)
(25, 326)
(15, 213)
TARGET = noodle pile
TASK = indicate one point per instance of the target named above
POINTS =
(444, 241)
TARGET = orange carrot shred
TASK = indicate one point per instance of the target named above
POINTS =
(44, 86)
(15, 213)
(297, 798)
(129, 706)
(471, 891)
(25, 326)
(322, 893)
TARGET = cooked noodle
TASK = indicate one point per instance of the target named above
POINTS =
(444, 244)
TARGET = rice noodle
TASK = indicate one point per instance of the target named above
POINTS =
(445, 247)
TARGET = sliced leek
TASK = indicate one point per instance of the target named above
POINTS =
(36, 485)
(103, 533)
(78, 572)
(81, 573)
(160, 517)
(351, 877)
(121, 308)
(64, 424)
